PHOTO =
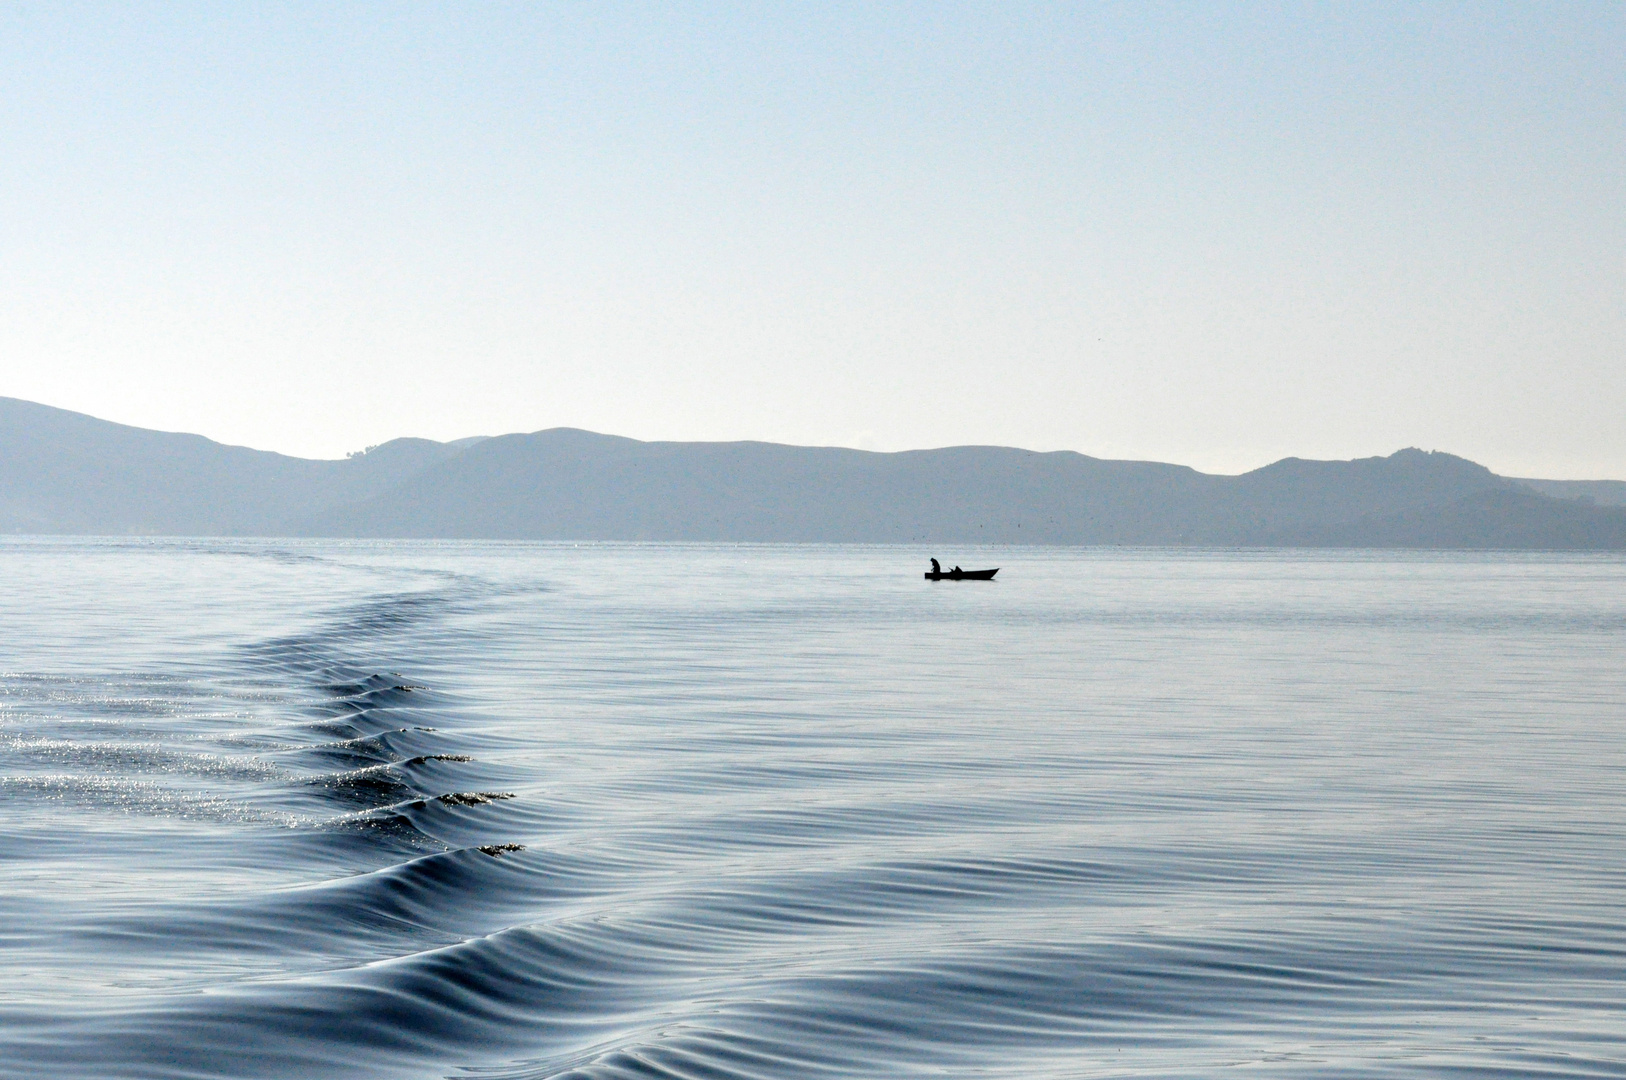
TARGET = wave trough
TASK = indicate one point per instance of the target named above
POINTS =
(535, 811)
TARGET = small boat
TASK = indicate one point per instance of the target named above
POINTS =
(961, 575)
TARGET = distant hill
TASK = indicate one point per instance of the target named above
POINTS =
(1493, 518)
(62, 472)
(575, 485)
(1602, 492)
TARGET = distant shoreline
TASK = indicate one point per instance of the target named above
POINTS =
(64, 473)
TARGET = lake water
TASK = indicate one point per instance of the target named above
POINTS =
(399, 810)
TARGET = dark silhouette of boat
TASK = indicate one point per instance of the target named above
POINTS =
(961, 575)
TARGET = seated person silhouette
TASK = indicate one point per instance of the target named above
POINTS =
(936, 569)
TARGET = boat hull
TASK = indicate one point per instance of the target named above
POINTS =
(963, 575)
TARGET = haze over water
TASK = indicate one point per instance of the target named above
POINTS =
(793, 812)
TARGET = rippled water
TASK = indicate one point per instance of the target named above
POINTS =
(500, 810)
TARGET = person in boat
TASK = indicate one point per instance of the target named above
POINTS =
(936, 568)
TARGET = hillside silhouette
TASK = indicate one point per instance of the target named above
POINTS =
(64, 472)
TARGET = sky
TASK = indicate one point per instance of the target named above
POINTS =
(1217, 235)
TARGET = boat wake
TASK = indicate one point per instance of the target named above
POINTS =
(489, 830)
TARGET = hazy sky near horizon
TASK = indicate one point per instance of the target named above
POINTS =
(1210, 234)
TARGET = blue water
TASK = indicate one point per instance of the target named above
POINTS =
(399, 810)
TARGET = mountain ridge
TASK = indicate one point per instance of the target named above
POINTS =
(64, 472)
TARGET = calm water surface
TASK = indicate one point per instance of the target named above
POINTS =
(401, 810)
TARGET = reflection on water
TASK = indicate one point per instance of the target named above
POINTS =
(415, 810)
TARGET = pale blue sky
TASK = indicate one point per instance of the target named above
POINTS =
(1217, 235)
